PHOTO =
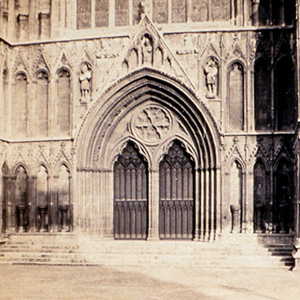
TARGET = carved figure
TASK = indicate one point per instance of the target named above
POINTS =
(85, 78)
(211, 72)
(147, 50)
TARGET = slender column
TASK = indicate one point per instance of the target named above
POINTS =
(244, 199)
(218, 212)
(213, 204)
(153, 206)
(70, 215)
(249, 202)
(202, 201)
(54, 204)
(32, 203)
(198, 188)
(109, 203)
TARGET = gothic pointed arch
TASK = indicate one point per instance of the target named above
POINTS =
(122, 98)
(262, 204)
(236, 96)
(130, 194)
(176, 193)
(20, 105)
(63, 105)
(152, 109)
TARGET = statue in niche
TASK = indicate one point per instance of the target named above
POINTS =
(211, 77)
(147, 50)
(85, 79)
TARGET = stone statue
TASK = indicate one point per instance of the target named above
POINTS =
(211, 73)
(85, 78)
(147, 50)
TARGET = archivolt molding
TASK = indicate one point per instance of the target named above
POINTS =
(134, 90)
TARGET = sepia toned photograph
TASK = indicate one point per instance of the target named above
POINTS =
(149, 149)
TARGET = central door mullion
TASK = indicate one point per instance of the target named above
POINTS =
(153, 204)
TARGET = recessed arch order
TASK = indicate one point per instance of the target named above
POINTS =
(134, 90)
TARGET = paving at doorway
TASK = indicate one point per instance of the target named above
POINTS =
(29, 282)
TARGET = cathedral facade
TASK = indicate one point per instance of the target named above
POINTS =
(153, 119)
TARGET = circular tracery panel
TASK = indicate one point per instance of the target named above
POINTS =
(152, 124)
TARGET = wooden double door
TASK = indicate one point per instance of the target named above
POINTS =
(176, 194)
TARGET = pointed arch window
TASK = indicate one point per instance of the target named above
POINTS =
(285, 99)
(130, 194)
(64, 101)
(236, 96)
(41, 105)
(20, 105)
(262, 95)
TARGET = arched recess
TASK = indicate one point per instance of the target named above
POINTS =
(262, 100)
(285, 98)
(63, 208)
(142, 90)
(40, 106)
(236, 96)
(262, 206)
(42, 199)
(21, 199)
(20, 105)
(236, 195)
(283, 209)
(63, 101)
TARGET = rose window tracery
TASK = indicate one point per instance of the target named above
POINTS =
(152, 124)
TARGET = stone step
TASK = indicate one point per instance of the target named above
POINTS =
(228, 251)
